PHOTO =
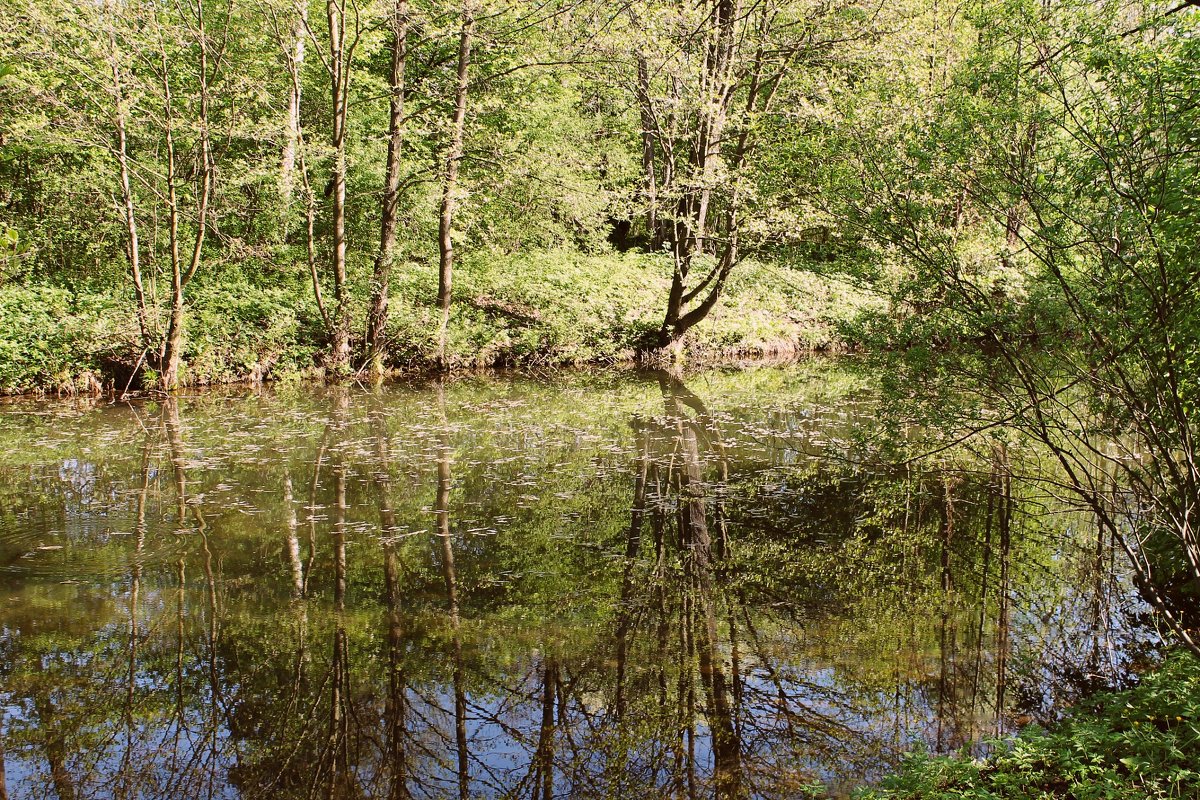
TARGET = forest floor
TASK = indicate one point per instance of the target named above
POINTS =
(544, 309)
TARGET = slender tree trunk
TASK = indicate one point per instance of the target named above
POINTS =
(174, 344)
(172, 354)
(310, 238)
(450, 184)
(293, 158)
(168, 348)
(133, 250)
(339, 351)
(649, 134)
(377, 318)
(294, 56)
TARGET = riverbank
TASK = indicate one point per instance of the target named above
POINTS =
(1142, 743)
(544, 308)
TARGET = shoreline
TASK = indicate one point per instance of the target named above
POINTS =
(88, 384)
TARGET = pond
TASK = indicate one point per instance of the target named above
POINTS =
(595, 584)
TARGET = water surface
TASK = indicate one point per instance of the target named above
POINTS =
(595, 585)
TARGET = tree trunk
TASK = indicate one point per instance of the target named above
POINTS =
(294, 55)
(339, 349)
(649, 135)
(690, 235)
(168, 353)
(179, 279)
(131, 230)
(450, 185)
(172, 353)
(377, 318)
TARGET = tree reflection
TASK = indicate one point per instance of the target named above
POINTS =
(382, 605)
(445, 541)
(3, 776)
(396, 704)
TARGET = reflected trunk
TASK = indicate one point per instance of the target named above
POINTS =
(543, 759)
(1005, 522)
(442, 510)
(396, 702)
(135, 586)
(633, 541)
(700, 602)
(3, 778)
(55, 746)
(292, 540)
(174, 430)
(340, 780)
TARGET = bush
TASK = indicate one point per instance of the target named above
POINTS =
(50, 336)
(1141, 743)
(559, 307)
(237, 329)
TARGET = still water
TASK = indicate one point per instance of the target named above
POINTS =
(592, 585)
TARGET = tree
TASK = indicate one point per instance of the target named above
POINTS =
(338, 64)
(454, 154)
(195, 30)
(133, 248)
(377, 316)
(705, 79)
(1042, 221)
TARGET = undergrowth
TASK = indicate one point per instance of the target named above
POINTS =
(540, 307)
(1138, 744)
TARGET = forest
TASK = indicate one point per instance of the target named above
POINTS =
(215, 191)
(988, 205)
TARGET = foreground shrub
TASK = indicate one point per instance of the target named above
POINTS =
(1141, 743)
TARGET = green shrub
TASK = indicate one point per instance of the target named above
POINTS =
(49, 336)
(236, 329)
(1137, 744)
(567, 307)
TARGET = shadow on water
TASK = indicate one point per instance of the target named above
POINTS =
(604, 586)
